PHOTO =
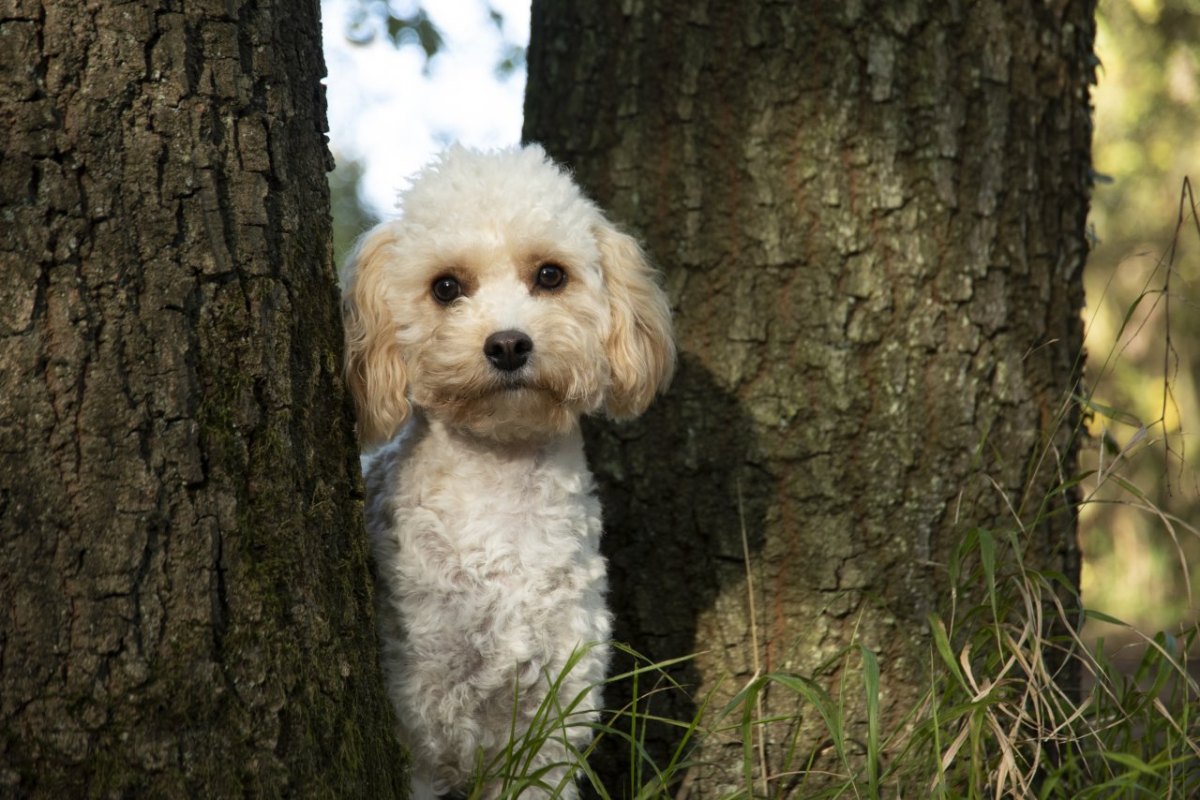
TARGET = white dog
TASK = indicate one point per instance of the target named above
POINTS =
(480, 326)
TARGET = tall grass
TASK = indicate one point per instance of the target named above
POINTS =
(996, 720)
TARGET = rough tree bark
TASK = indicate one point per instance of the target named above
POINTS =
(185, 602)
(871, 217)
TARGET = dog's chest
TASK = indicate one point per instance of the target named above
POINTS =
(527, 527)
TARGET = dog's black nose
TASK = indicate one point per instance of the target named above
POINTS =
(508, 350)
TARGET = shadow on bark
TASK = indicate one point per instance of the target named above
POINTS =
(670, 486)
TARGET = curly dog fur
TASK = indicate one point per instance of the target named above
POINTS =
(480, 326)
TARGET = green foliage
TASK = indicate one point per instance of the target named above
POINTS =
(1142, 314)
(999, 718)
(370, 18)
(412, 26)
(351, 217)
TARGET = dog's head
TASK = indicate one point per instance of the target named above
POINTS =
(502, 303)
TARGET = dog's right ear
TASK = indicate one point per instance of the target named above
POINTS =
(375, 368)
(641, 347)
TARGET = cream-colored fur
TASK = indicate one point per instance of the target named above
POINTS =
(480, 507)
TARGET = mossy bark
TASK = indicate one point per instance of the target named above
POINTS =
(871, 219)
(186, 601)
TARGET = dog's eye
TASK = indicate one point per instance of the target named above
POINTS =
(446, 289)
(551, 276)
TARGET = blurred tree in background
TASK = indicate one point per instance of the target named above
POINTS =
(351, 216)
(1147, 115)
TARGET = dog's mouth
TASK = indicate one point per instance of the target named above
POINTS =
(511, 386)
(497, 387)
(511, 382)
(504, 383)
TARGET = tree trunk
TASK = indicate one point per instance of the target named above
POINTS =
(871, 219)
(186, 602)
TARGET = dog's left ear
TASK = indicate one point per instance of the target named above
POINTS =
(641, 348)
